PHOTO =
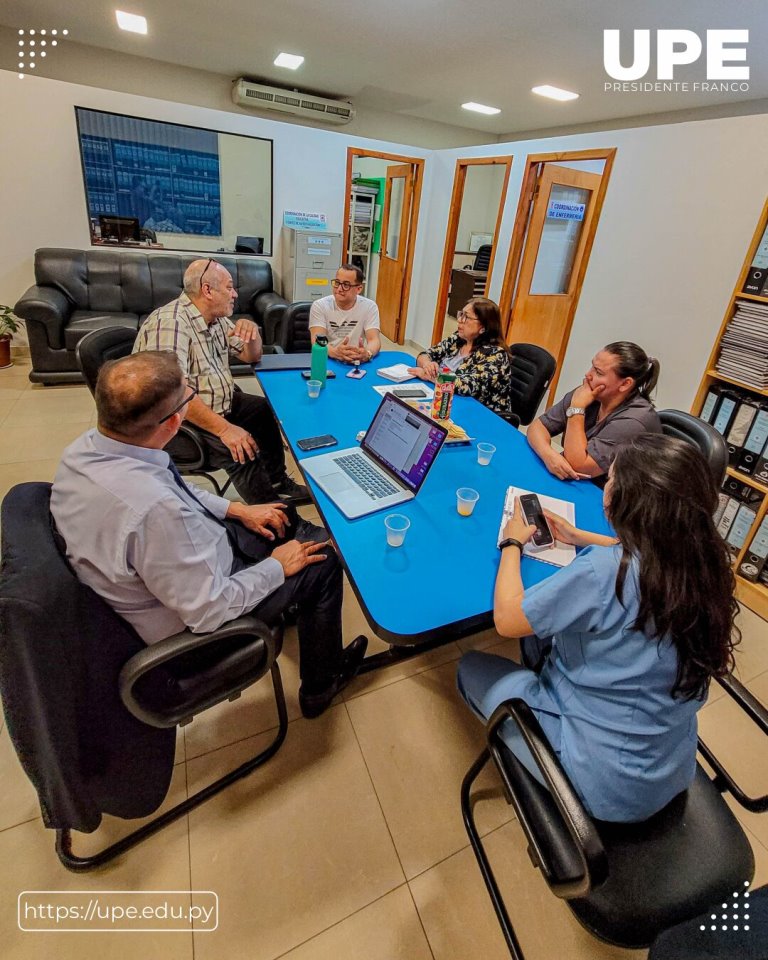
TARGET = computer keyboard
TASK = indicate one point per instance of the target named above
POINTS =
(364, 475)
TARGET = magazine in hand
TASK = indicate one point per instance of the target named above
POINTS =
(561, 554)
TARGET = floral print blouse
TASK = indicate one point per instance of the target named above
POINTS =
(485, 374)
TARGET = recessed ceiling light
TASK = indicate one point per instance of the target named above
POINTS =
(131, 21)
(480, 108)
(554, 93)
(290, 60)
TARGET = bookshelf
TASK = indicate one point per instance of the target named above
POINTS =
(362, 226)
(743, 340)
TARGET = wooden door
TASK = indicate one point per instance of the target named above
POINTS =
(559, 233)
(396, 217)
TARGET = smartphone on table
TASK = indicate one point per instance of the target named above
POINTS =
(533, 513)
(314, 443)
(330, 374)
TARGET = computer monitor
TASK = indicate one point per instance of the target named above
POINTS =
(249, 245)
(119, 228)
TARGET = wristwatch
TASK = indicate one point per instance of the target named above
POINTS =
(511, 542)
(575, 412)
(368, 351)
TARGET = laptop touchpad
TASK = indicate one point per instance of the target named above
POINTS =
(338, 483)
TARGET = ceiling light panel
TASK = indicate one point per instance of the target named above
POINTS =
(290, 60)
(481, 108)
(554, 93)
(131, 22)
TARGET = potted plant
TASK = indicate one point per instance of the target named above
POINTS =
(9, 324)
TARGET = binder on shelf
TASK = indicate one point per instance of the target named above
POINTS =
(755, 282)
(754, 559)
(741, 424)
(755, 442)
(726, 519)
(739, 529)
(742, 492)
(726, 411)
(722, 503)
(760, 473)
(711, 402)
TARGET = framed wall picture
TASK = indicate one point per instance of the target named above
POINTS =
(476, 240)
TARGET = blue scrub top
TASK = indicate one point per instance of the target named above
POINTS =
(603, 697)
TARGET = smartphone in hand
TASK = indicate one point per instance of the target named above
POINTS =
(533, 513)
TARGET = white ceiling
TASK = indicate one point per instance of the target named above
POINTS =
(421, 58)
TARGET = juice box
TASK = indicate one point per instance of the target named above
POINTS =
(444, 387)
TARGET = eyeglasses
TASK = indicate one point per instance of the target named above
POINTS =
(344, 285)
(205, 268)
(183, 404)
(463, 315)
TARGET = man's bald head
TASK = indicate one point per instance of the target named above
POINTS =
(209, 270)
(135, 392)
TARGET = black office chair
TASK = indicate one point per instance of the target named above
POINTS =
(532, 370)
(625, 883)
(684, 426)
(91, 710)
(483, 257)
(249, 245)
(292, 334)
(187, 448)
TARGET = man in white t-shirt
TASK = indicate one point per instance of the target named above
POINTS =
(350, 322)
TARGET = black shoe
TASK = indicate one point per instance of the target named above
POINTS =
(313, 704)
(291, 492)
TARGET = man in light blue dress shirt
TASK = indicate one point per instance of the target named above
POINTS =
(162, 556)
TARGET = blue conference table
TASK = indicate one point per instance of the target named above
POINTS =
(439, 585)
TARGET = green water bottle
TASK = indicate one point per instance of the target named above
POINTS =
(319, 368)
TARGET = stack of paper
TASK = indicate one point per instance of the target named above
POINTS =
(399, 373)
(560, 554)
(744, 346)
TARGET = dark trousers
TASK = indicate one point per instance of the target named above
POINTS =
(317, 590)
(253, 479)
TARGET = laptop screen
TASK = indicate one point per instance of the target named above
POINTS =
(404, 441)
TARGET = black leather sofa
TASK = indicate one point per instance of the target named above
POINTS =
(77, 291)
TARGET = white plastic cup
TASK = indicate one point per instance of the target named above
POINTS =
(313, 388)
(466, 498)
(397, 527)
(485, 452)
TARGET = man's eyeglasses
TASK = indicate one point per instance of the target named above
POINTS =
(344, 285)
(183, 403)
(205, 268)
(463, 315)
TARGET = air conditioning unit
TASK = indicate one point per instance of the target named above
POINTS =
(307, 105)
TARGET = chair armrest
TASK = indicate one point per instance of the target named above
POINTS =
(50, 308)
(512, 419)
(548, 833)
(268, 308)
(165, 651)
(759, 715)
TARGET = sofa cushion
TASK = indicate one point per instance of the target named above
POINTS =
(83, 321)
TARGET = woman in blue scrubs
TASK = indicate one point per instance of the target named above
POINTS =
(639, 625)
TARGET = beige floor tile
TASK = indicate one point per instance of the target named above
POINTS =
(419, 738)
(57, 405)
(752, 653)
(5, 408)
(294, 848)
(37, 441)
(18, 799)
(479, 641)
(10, 390)
(254, 712)
(460, 922)
(388, 929)
(161, 863)
(13, 473)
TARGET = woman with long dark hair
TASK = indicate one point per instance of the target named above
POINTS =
(639, 626)
(476, 353)
(612, 405)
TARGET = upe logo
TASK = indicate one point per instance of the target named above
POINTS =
(725, 49)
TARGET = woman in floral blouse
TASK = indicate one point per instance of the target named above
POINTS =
(476, 353)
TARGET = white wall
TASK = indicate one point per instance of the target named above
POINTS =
(681, 207)
(44, 201)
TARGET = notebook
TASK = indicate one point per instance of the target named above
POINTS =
(559, 554)
(390, 465)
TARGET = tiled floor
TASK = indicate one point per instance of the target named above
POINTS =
(349, 843)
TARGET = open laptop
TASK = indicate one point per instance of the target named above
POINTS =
(388, 467)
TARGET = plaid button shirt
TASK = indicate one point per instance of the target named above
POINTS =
(202, 349)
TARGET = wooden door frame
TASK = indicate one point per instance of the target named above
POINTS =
(520, 233)
(457, 196)
(418, 181)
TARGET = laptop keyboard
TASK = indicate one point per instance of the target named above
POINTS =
(364, 475)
